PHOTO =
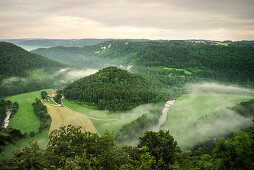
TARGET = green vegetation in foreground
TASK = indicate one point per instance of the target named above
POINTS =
(25, 120)
(69, 148)
(111, 121)
(41, 139)
(189, 110)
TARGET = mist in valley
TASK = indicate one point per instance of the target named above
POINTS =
(205, 113)
(42, 79)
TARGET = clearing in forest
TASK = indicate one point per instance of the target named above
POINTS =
(62, 116)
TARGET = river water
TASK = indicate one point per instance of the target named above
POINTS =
(163, 116)
(6, 120)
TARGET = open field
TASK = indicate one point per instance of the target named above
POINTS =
(189, 115)
(178, 69)
(105, 120)
(62, 116)
(49, 102)
(25, 120)
(41, 139)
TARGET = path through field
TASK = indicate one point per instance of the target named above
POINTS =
(62, 116)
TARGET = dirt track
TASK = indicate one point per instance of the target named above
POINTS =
(62, 116)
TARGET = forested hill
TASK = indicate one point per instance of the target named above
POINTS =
(114, 89)
(15, 61)
(233, 63)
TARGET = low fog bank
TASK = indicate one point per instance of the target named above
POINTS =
(206, 113)
(68, 75)
(215, 88)
(136, 121)
(41, 79)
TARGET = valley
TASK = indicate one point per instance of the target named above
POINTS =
(130, 92)
(126, 85)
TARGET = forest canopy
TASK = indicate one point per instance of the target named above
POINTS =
(115, 89)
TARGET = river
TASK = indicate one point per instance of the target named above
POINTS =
(6, 120)
(164, 115)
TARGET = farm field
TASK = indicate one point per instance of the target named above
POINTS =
(25, 120)
(189, 110)
(62, 116)
(105, 120)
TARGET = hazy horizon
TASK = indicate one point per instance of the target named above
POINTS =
(27, 38)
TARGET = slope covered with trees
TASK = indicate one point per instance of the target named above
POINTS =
(22, 71)
(233, 63)
(15, 61)
(114, 89)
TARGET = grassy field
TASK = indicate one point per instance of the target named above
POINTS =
(111, 121)
(25, 120)
(191, 108)
(49, 102)
(41, 139)
(62, 116)
(185, 71)
(158, 68)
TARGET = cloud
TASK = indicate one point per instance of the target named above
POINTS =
(166, 19)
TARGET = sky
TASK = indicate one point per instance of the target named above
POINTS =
(148, 19)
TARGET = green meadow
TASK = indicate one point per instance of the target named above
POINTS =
(105, 120)
(25, 120)
(189, 109)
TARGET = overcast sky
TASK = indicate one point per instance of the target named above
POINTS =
(150, 19)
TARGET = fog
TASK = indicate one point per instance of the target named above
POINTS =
(41, 79)
(211, 88)
(205, 113)
(68, 75)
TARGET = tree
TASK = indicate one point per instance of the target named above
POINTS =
(236, 153)
(70, 142)
(44, 94)
(161, 145)
(32, 134)
(29, 158)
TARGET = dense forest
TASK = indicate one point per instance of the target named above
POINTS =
(16, 61)
(21, 71)
(114, 89)
(69, 148)
(233, 63)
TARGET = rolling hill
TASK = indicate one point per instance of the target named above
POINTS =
(114, 89)
(16, 61)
